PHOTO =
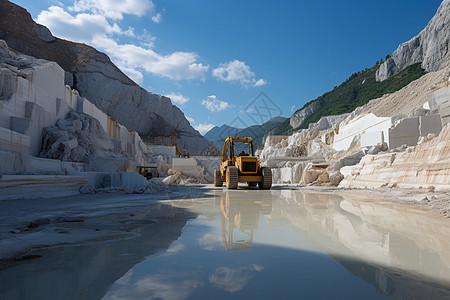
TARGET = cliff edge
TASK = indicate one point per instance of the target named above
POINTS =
(430, 47)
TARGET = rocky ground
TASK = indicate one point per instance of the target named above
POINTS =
(27, 226)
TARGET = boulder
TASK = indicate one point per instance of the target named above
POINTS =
(87, 189)
(335, 178)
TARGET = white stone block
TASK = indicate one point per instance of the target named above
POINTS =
(404, 132)
(165, 151)
(439, 102)
(11, 162)
(276, 175)
(127, 179)
(48, 77)
(39, 186)
(44, 166)
(368, 128)
(286, 175)
(187, 166)
(430, 124)
(14, 141)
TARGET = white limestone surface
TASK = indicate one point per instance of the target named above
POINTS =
(369, 128)
(426, 165)
(39, 186)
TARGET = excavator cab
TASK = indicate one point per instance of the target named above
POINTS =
(239, 164)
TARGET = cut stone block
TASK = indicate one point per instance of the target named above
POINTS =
(405, 132)
(96, 179)
(188, 166)
(439, 102)
(20, 125)
(11, 162)
(430, 124)
(368, 129)
(39, 186)
(44, 166)
(14, 141)
(127, 179)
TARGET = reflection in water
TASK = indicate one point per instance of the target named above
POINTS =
(396, 248)
(232, 280)
(86, 272)
(298, 245)
(239, 218)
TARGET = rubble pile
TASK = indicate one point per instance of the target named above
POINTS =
(76, 138)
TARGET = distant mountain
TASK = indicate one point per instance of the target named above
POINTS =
(221, 133)
(256, 132)
(96, 78)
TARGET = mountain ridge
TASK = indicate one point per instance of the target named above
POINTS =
(218, 134)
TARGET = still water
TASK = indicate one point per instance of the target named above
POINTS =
(252, 244)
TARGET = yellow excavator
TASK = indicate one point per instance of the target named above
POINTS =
(239, 164)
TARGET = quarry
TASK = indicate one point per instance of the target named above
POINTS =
(96, 168)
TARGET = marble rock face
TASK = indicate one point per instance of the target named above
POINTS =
(299, 116)
(426, 165)
(96, 78)
(430, 47)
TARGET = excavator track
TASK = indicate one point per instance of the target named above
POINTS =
(217, 178)
(266, 183)
(233, 178)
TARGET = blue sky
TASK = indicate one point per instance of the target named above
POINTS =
(215, 57)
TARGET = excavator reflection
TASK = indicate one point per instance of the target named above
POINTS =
(240, 216)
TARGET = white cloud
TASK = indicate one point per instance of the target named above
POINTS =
(96, 30)
(166, 285)
(233, 280)
(157, 18)
(81, 28)
(203, 128)
(114, 9)
(177, 98)
(178, 65)
(237, 71)
(146, 39)
(260, 82)
(213, 104)
(210, 241)
(174, 249)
